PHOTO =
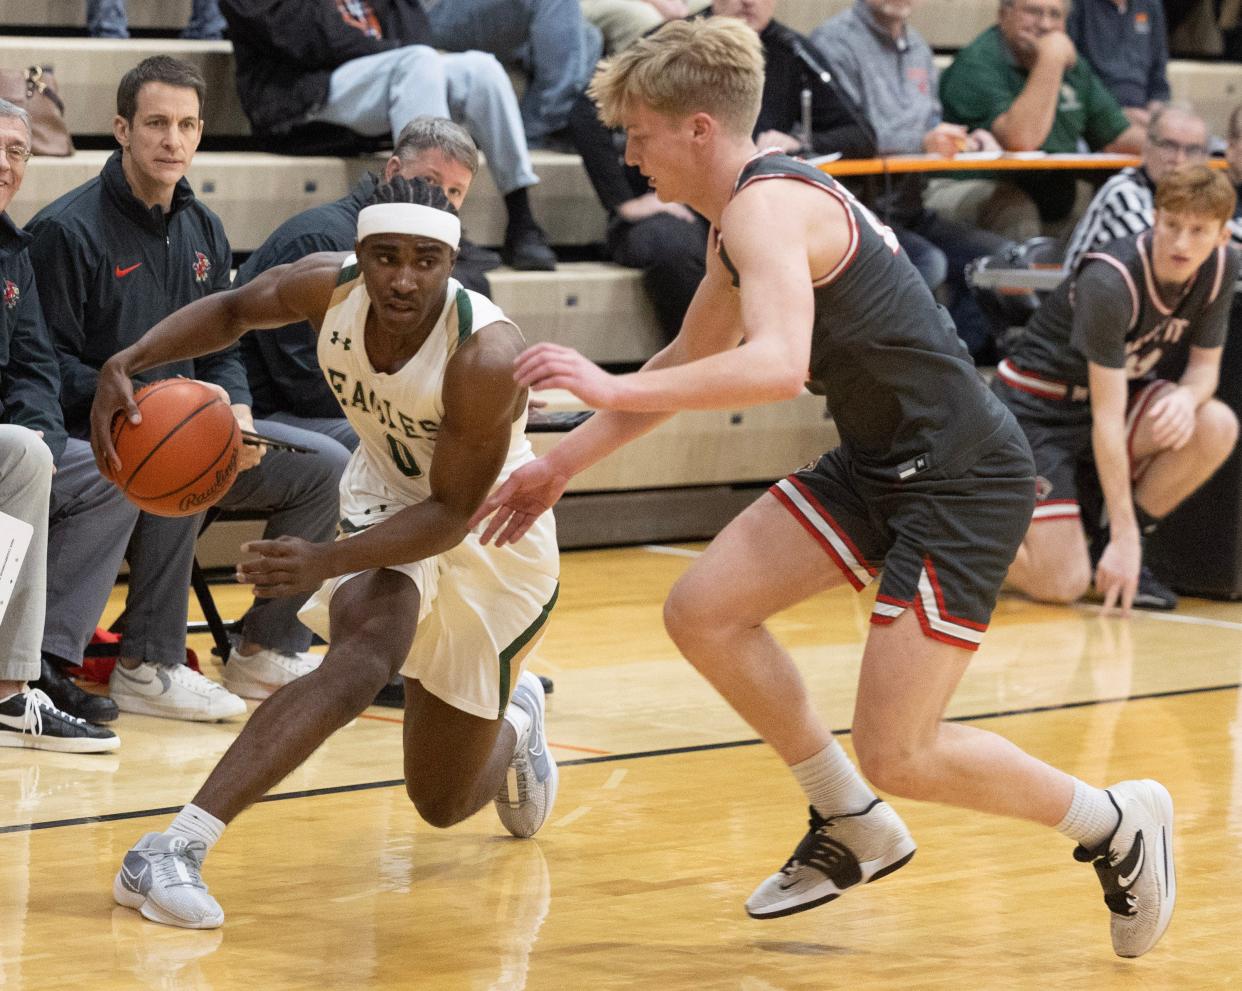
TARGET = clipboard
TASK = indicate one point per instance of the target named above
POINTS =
(15, 538)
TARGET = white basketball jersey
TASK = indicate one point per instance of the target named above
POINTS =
(397, 415)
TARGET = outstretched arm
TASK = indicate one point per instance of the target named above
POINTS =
(282, 295)
(703, 368)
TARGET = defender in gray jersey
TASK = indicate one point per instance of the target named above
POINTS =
(933, 483)
(1112, 382)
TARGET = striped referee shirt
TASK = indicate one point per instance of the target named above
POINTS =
(1123, 206)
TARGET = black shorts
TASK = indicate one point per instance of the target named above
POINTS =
(1059, 432)
(944, 544)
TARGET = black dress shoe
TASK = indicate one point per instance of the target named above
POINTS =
(526, 250)
(392, 695)
(68, 697)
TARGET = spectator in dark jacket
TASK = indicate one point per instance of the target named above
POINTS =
(32, 440)
(367, 65)
(668, 240)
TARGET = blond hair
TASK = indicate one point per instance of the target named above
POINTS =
(712, 65)
(1197, 189)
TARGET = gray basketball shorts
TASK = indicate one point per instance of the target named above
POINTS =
(1059, 432)
(944, 545)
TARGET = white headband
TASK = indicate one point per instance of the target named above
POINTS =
(409, 218)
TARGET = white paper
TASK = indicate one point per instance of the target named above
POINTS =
(14, 539)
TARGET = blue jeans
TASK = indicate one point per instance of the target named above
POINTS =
(107, 19)
(549, 37)
(380, 94)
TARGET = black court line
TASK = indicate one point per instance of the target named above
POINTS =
(613, 758)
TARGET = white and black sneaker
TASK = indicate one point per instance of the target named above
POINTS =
(29, 719)
(836, 854)
(1135, 866)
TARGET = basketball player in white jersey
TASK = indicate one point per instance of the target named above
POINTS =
(423, 370)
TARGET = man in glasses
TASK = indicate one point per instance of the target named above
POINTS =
(1176, 136)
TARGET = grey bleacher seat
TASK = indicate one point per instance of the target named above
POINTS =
(88, 70)
(254, 192)
(946, 24)
(170, 15)
(1212, 88)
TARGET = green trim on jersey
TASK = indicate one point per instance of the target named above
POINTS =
(515, 648)
(347, 274)
(465, 316)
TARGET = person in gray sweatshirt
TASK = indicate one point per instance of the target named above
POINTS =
(887, 68)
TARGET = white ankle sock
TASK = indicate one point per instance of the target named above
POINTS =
(832, 783)
(195, 824)
(1091, 818)
(518, 718)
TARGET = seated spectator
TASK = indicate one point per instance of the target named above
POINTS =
(1127, 44)
(108, 19)
(668, 240)
(112, 258)
(623, 22)
(887, 68)
(1233, 156)
(549, 38)
(1089, 382)
(282, 365)
(32, 434)
(1124, 205)
(1023, 80)
(303, 63)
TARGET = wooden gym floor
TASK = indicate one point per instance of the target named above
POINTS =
(668, 815)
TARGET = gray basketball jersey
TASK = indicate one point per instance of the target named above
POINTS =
(898, 381)
(1110, 311)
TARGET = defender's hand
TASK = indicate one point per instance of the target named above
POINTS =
(526, 494)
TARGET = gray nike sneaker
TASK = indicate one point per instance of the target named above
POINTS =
(529, 789)
(160, 878)
(1135, 866)
(836, 854)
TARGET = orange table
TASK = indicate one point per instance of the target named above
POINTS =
(982, 162)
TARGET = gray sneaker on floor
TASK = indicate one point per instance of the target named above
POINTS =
(835, 855)
(529, 789)
(160, 877)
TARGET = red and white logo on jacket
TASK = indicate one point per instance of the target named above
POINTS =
(11, 294)
(202, 265)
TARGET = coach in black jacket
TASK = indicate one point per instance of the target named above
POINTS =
(112, 258)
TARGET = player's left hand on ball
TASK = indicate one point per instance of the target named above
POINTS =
(553, 366)
(284, 566)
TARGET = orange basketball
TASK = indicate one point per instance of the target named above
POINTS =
(182, 457)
